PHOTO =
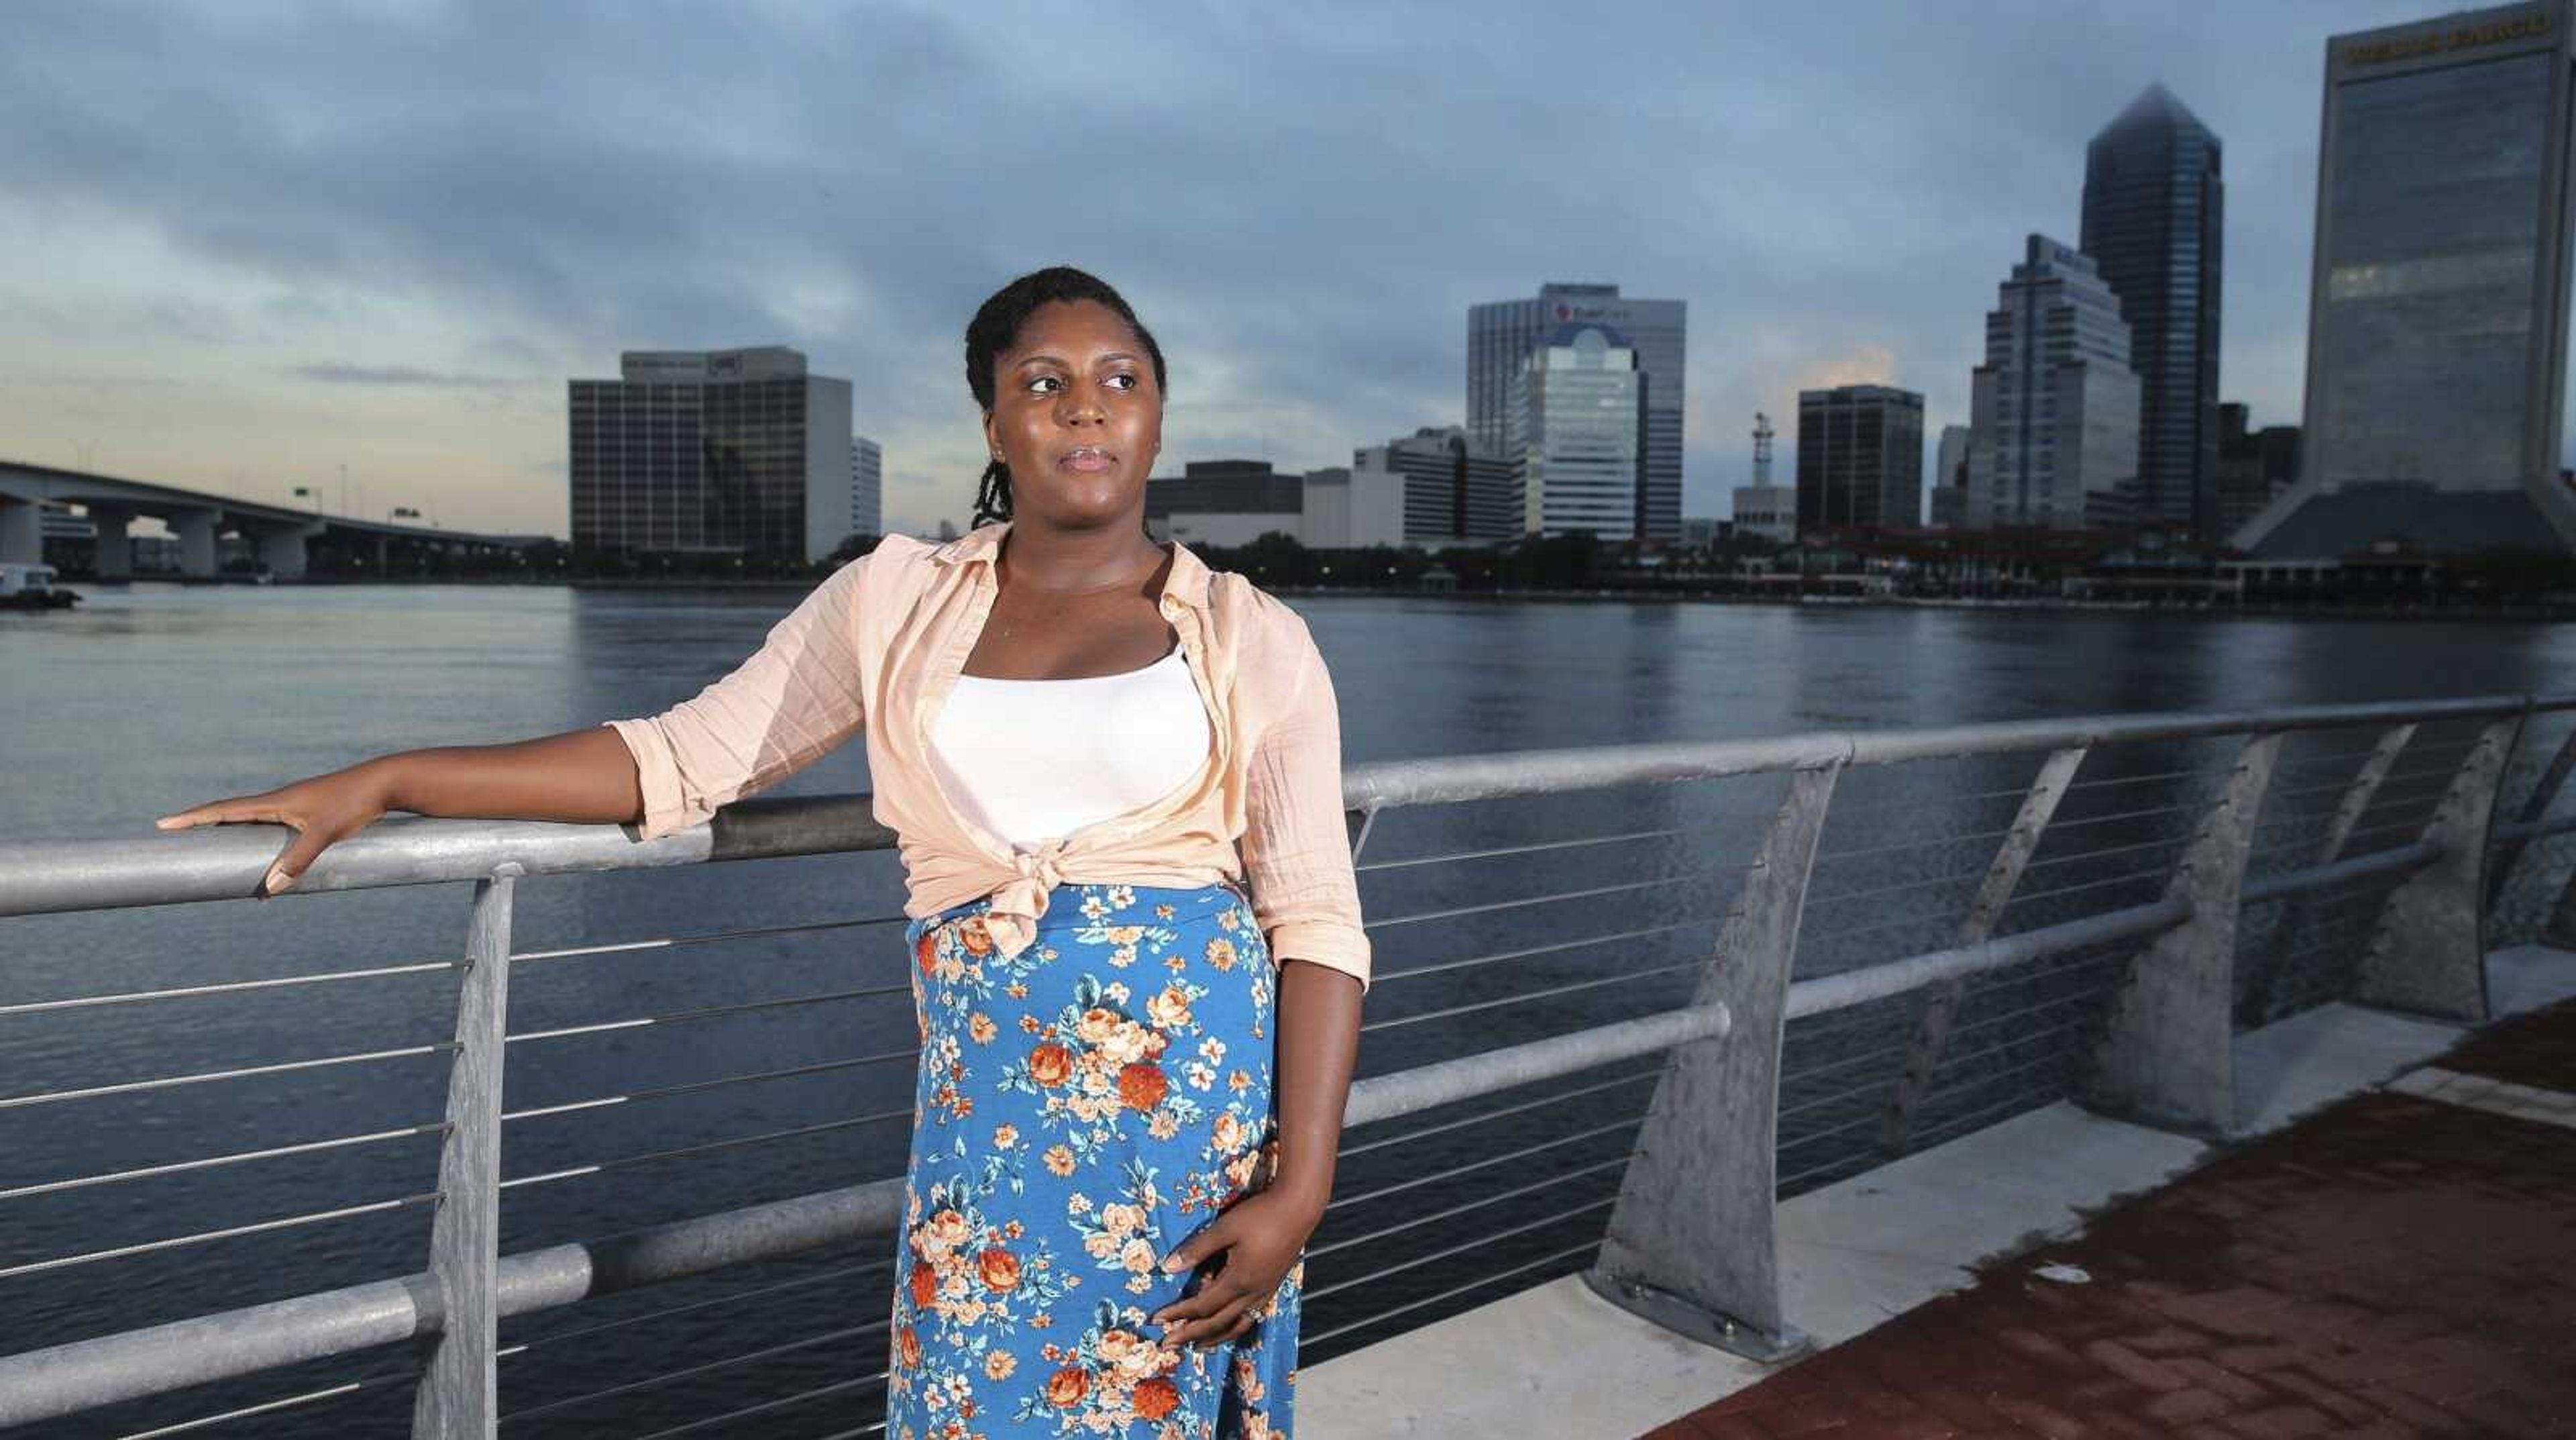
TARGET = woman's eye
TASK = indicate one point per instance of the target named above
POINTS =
(1129, 379)
(1043, 380)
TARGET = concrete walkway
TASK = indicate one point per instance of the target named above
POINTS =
(2402, 1263)
(1864, 1253)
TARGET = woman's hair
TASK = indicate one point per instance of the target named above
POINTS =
(996, 328)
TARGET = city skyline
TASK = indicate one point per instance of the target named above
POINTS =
(387, 241)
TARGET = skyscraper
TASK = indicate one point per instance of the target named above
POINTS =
(867, 487)
(2437, 306)
(1456, 492)
(711, 452)
(2153, 222)
(1578, 434)
(1860, 457)
(2053, 413)
(1949, 498)
(1501, 335)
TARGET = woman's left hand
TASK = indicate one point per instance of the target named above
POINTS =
(1260, 1236)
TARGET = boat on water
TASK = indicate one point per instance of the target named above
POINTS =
(33, 587)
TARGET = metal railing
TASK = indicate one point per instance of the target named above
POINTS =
(1688, 1236)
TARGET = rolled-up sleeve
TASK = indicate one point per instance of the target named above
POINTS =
(794, 701)
(1296, 844)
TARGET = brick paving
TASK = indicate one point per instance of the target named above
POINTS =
(2391, 1266)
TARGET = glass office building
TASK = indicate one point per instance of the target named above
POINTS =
(2437, 309)
(1501, 335)
(2153, 225)
(2053, 413)
(711, 452)
(1860, 457)
(1578, 434)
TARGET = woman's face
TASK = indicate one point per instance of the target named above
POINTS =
(1076, 415)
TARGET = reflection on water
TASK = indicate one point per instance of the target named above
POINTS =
(156, 697)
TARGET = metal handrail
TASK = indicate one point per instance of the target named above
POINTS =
(1760, 934)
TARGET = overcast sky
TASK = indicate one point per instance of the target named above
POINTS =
(248, 244)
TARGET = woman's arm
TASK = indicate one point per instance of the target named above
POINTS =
(786, 706)
(1305, 892)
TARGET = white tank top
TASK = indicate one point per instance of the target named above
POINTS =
(1032, 760)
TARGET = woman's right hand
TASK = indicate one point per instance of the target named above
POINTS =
(322, 810)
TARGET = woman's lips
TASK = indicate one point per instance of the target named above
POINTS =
(1088, 462)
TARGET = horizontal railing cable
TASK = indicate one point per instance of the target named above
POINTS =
(709, 1013)
(654, 1382)
(695, 1087)
(766, 1407)
(1443, 966)
(1933, 843)
(1310, 1341)
(182, 1167)
(1525, 997)
(1479, 1118)
(206, 1077)
(1485, 1163)
(1728, 826)
(548, 1177)
(1461, 1248)
(1525, 901)
(227, 987)
(204, 1236)
(405, 1375)
(626, 1322)
(1452, 1212)
(675, 942)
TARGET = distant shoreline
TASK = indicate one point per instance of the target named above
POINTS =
(2514, 614)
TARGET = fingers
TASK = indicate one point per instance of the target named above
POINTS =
(1230, 1320)
(220, 812)
(291, 863)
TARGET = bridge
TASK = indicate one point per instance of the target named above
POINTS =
(283, 536)
(1932, 990)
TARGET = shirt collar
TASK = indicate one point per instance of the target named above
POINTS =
(1188, 580)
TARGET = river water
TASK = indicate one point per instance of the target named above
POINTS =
(155, 697)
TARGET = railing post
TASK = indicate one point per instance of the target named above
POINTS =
(2428, 955)
(2544, 793)
(1932, 1032)
(1691, 1244)
(2166, 1054)
(458, 1395)
(2256, 1007)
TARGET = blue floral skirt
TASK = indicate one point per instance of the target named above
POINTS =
(1080, 1111)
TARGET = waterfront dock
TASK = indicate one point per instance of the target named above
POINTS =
(1953, 994)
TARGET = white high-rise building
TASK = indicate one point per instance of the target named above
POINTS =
(1502, 333)
(867, 487)
(1578, 432)
(2053, 413)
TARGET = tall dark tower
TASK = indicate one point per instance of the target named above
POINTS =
(2153, 224)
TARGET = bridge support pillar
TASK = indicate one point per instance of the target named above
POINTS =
(281, 547)
(1693, 1245)
(196, 531)
(115, 551)
(22, 532)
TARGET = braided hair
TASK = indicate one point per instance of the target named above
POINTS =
(996, 327)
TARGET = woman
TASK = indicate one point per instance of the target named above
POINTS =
(1052, 703)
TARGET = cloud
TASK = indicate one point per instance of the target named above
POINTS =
(1302, 204)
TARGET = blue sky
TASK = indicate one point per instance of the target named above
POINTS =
(248, 244)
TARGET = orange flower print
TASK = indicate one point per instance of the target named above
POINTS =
(1059, 1160)
(1000, 1364)
(1220, 953)
(1141, 1085)
(977, 936)
(981, 1026)
(1157, 1398)
(925, 1284)
(927, 952)
(1001, 1268)
(1050, 1063)
(908, 1345)
(1066, 1387)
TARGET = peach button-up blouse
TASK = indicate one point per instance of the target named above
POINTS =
(878, 646)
